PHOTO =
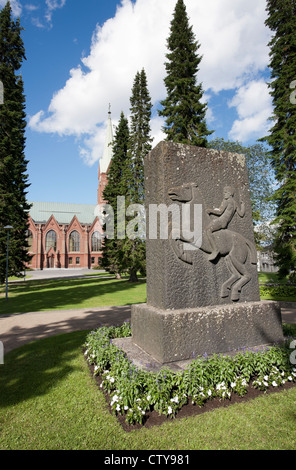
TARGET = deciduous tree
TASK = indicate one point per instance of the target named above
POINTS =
(282, 136)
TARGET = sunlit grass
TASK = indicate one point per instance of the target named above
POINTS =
(58, 294)
(49, 400)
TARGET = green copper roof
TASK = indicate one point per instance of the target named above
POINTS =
(63, 212)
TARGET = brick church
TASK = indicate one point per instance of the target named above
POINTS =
(69, 235)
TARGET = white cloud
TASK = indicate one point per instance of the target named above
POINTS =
(254, 107)
(31, 7)
(53, 5)
(16, 7)
(233, 42)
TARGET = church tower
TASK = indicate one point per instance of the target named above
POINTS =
(105, 161)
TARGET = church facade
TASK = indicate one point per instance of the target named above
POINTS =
(69, 235)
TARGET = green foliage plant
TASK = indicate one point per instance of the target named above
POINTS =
(281, 20)
(135, 391)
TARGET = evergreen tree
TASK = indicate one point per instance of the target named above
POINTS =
(182, 109)
(282, 137)
(13, 165)
(117, 185)
(140, 145)
(140, 134)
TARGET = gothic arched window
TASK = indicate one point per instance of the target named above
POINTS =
(51, 240)
(96, 241)
(74, 241)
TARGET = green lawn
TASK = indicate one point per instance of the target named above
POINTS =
(269, 278)
(274, 288)
(97, 291)
(49, 401)
(61, 294)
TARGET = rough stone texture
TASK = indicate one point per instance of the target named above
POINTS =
(176, 335)
(171, 282)
(196, 304)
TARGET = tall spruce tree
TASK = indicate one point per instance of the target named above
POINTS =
(282, 137)
(13, 165)
(140, 134)
(182, 109)
(139, 146)
(117, 185)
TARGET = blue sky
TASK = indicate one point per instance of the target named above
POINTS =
(81, 56)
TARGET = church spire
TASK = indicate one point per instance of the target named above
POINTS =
(106, 159)
(107, 155)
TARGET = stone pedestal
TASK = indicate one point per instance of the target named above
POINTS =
(177, 335)
(202, 281)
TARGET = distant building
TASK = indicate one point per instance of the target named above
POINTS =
(265, 261)
(69, 235)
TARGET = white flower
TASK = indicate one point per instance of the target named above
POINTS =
(209, 393)
(114, 399)
(118, 407)
(111, 379)
(274, 383)
(125, 407)
(221, 386)
(170, 410)
(86, 352)
(175, 399)
(290, 378)
(265, 377)
(265, 383)
(233, 384)
(148, 397)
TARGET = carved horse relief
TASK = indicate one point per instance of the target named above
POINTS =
(217, 240)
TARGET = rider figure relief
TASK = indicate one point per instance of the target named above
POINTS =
(225, 213)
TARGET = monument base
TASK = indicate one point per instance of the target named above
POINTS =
(177, 335)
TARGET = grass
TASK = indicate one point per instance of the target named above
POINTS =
(274, 288)
(50, 401)
(61, 294)
(271, 278)
(98, 290)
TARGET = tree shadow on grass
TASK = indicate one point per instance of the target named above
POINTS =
(32, 370)
(68, 293)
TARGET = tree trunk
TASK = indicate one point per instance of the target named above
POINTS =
(133, 276)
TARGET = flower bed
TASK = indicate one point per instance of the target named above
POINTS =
(133, 391)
